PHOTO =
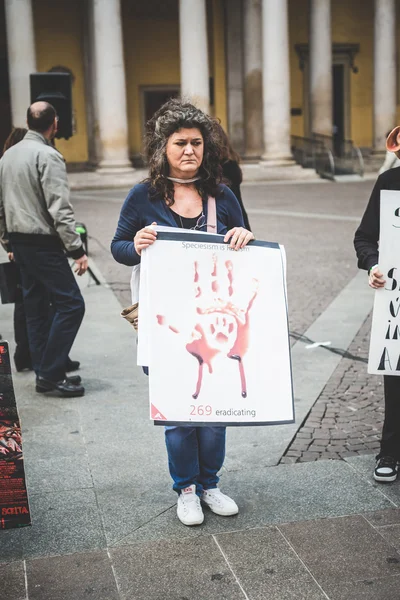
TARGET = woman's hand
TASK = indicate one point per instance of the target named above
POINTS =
(144, 238)
(240, 237)
(376, 278)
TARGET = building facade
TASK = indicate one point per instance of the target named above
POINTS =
(268, 69)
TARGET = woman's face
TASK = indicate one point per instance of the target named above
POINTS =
(185, 150)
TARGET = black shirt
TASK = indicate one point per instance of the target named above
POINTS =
(186, 222)
(366, 239)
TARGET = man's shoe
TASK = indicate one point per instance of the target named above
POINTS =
(72, 365)
(64, 387)
(74, 379)
(189, 508)
(386, 469)
(219, 503)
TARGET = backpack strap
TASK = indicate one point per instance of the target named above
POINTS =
(211, 215)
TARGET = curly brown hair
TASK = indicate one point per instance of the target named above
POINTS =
(16, 135)
(174, 115)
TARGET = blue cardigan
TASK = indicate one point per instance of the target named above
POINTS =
(139, 211)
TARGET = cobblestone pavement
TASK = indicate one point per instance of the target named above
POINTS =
(347, 418)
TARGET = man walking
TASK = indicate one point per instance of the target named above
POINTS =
(38, 220)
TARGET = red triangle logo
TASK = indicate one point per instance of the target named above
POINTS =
(156, 415)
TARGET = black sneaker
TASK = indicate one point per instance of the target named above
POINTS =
(386, 469)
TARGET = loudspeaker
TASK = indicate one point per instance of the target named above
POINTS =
(56, 89)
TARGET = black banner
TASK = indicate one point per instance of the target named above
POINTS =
(14, 506)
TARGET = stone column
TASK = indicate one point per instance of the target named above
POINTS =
(110, 85)
(252, 63)
(234, 68)
(385, 75)
(276, 83)
(194, 52)
(21, 56)
(321, 67)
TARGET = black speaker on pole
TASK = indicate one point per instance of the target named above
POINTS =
(56, 89)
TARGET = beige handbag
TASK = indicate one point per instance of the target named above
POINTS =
(131, 313)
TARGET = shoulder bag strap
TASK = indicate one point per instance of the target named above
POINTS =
(211, 215)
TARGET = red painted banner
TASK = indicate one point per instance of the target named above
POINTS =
(14, 506)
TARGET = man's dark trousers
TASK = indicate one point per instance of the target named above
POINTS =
(45, 275)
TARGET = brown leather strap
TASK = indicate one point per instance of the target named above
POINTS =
(211, 215)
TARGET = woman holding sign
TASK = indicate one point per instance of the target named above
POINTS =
(184, 156)
(366, 243)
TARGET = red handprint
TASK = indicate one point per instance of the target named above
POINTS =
(222, 325)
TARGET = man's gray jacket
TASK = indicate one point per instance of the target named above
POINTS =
(34, 197)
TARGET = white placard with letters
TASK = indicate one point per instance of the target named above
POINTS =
(384, 351)
(216, 331)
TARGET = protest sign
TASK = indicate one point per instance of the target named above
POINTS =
(14, 507)
(216, 332)
(384, 352)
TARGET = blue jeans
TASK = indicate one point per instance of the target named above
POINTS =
(195, 455)
(46, 275)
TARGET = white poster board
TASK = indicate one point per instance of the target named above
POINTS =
(216, 329)
(384, 352)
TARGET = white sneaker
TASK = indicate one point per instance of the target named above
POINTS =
(219, 503)
(189, 509)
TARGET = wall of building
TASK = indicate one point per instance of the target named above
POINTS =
(59, 30)
(298, 34)
(151, 48)
(218, 70)
(5, 105)
(353, 22)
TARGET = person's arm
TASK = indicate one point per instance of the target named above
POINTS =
(122, 245)
(366, 239)
(54, 182)
(237, 236)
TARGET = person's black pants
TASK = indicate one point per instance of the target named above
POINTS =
(22, 352)
(45, 275)
(390, 443)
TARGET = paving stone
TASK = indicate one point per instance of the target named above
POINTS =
(266, 566)
(315, 448)
(322, 441)
(348, 548)
(391, 533)
(351, 405)
(381, 518)
(384, 588)
(75, 576)
(64, 522)
(182, 569)
(12, 581)
(348, 453)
